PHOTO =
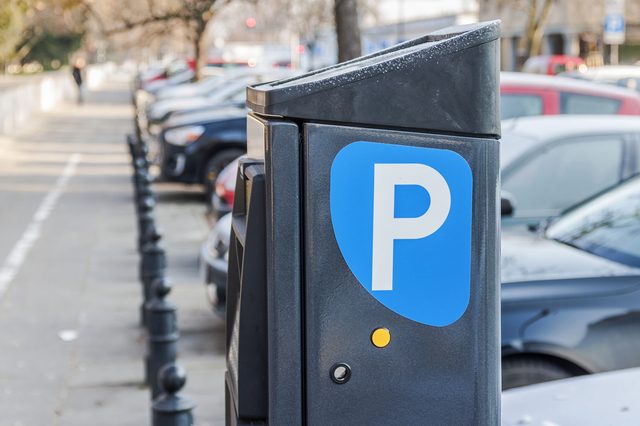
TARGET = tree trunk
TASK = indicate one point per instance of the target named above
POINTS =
(531, 43)
(347, 29)
(538, 33)
(198, 48)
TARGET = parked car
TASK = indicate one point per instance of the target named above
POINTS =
(229, 93)
(194, 148)
(552, 64)
(175, 72)
(595, 400)
(181, 77)
(190, 89)
(571, 292)
(549, 163)
(149, 82)
(627, 76)
(233, 91)
(214, 260)
(205, 86)
(152, 73)
(527, 94)
(224, 193)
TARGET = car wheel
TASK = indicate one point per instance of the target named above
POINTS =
(214, 166)
(522, 371)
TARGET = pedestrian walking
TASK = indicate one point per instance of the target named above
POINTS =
(76, 71)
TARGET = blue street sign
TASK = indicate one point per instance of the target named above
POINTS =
(402, 219)
(614, 24)
(614, 28)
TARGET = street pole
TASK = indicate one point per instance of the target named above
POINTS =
(400, 26)
(614, 28)
(614, 54)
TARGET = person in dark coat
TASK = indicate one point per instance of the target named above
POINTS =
(76, 71)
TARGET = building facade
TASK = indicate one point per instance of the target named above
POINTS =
(573, 27)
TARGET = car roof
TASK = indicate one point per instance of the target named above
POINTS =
(524, 133)
(206, 115)
(609, 71)
(545, 127)
(561, 83)
(593, 399)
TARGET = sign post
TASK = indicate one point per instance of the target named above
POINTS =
(614, 27)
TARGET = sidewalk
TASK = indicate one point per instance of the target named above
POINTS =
(72, 351)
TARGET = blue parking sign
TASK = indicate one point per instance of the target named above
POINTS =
(614, 24)
(402, 219)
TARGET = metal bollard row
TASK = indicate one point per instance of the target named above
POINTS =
(164, 378)
(163, 333)
(153, 265)
(170, 408)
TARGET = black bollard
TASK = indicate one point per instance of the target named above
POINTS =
(142, 181)
(140, 175)
(152, 266)
(146, 222)
(142, 187)
(143, 150)
(140, 167)
(170, 408)
(141, 156)
(136, 178)
(141, 163)
(131, 144)
(162, 338)
(136, 126)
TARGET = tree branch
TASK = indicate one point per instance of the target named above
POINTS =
(129, 25)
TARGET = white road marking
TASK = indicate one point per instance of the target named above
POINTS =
(19, 252)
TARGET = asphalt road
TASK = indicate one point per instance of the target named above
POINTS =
(70, 347)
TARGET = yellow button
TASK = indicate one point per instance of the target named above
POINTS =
(380, 337)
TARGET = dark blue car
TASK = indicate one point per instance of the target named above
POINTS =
(571, 292)
(195, 147)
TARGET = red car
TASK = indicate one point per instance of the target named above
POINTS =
(552, 64)
(529, 94)
(222, 197)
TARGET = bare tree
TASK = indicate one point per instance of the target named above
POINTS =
(347, 29)
(537, 12)
(194, 15)
(309, 20)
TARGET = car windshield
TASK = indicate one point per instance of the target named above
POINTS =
(519, 105)
(512, 146)
(607, 226)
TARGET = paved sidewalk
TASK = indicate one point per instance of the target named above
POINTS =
(71, 349)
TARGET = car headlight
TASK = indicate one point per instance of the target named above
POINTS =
(182, 136)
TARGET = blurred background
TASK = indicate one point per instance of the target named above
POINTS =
(43, 35)
(77, 76)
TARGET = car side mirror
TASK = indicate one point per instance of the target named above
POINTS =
(506, 205)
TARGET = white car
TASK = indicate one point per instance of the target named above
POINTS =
(206, 85)
(594, 400)
(214, 258)
(619, 75)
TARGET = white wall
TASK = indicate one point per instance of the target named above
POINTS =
(20, 97)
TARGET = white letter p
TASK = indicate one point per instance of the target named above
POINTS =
(387, 228)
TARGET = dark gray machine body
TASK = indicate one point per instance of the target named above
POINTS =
(313, 313)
